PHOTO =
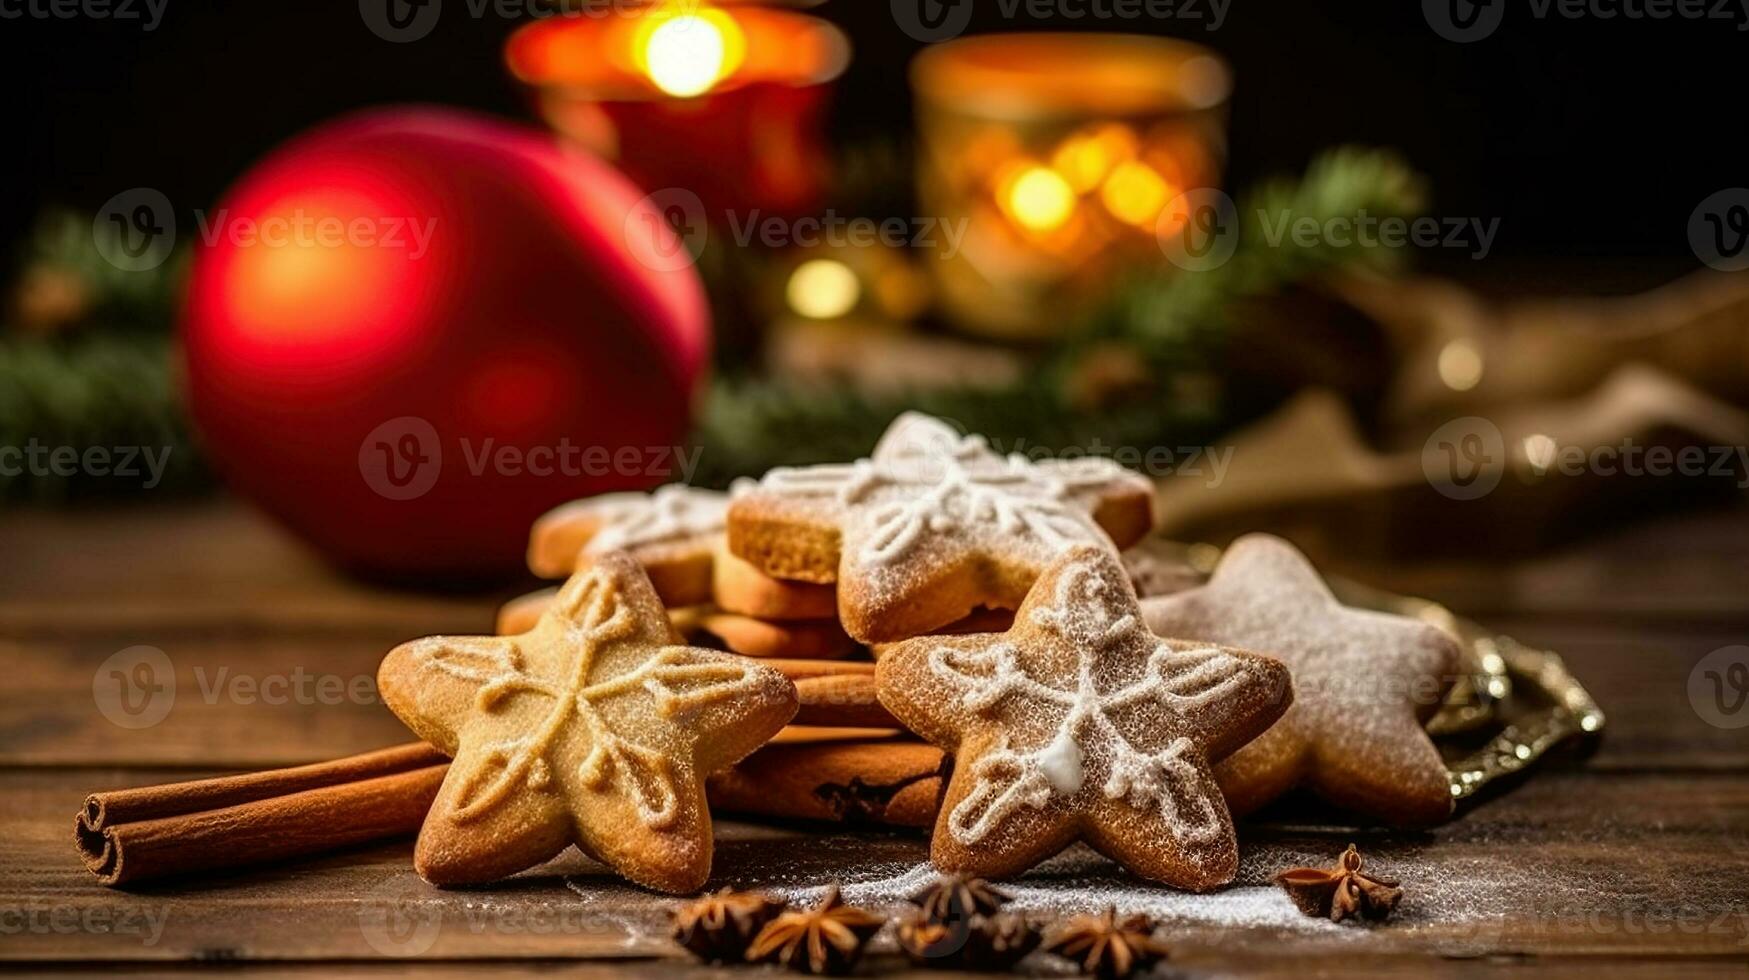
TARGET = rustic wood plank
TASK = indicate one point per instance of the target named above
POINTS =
(1637, 853)
(1567, 864)
(1685, 569)
(214, 566)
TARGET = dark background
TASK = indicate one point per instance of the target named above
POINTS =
(1592, 139)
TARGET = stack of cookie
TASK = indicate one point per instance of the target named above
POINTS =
(981, 643)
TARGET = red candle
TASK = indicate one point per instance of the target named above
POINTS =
(725, 102)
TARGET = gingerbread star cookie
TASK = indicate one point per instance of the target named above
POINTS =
(1079, 724)
(596, 727)
(671, 532)
(1365, 684)
(932, 525)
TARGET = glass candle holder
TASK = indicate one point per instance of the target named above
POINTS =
(1061, 153)
(723, 101)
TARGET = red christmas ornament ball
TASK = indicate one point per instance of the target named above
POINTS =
(410, 332)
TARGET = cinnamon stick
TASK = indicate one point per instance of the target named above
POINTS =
(133, 835)
(843, 700)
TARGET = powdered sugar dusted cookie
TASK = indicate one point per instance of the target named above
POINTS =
(1365, 683)
(595, 728)
(670, 532)
(932, 525)
(1078, 723)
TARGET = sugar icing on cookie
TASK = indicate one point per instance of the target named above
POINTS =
(1079, 721)
(595, 716)
(925, 478)
(672, 513)
(932, 524)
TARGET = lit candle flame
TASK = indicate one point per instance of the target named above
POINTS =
(687, 54)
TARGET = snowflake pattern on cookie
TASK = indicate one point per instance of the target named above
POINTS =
(625, 521)
(672, 531)
(933, 523)
(1366, 682)
(1079, 723)
(596, 727)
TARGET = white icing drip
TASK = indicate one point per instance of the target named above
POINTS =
(675, 678)
(672, 513)
(924, 478)
(1060, 762)
(1006, 779)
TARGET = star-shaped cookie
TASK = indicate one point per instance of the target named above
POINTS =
(596, 727)
(671, 531)
(1079, 724)
(932, 525)
(1365, 683)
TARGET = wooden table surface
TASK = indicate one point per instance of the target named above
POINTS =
(1635, 858)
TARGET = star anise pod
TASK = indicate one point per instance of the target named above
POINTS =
(983, 942)
(828, 938)
(1342, 891)
(717, 928)
(956, 897)
(1108, 947)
